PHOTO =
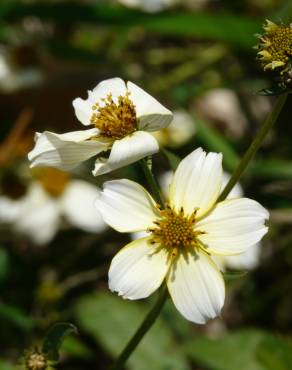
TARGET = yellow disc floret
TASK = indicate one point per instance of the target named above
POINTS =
(52, 180)
(175, 231)
(115, 119)
(276, 46)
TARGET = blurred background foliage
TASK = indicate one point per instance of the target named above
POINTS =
(194, 56)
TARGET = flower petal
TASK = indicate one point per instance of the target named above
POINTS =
(39, 216)
(9, 209)
(65, 151)
(126, 206)
(233, 226)
(197, 182)
(150, 113)
(138, 270)
(196, 287)
(83, 108)
(77, 204)
(126, 151)
(244, 261)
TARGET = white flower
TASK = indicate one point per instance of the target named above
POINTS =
(38, 213)
(150, 6)
(179, 132)
(182, 237)
(244, 261)
(122, 115)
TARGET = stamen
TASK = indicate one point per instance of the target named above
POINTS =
(175, 230)
(115, 120)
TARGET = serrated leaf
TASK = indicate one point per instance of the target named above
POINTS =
(112, 321)
(54, 338)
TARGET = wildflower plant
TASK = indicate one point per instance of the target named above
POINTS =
(186, 230)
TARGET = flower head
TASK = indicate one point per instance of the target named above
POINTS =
(182, 237)
(275, 49)
(122, 115)
(51, 196)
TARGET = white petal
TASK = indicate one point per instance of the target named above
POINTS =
(197, 182)
(126, 206)
(244, 261)
(138, 235)
(236, 192)
(65, 151)
(39, 216)
(128, 150)
(138, 270)
(83, 108)
(233, 226)
(196, 287)
(150, 113)
(9, 209)
(77, 204)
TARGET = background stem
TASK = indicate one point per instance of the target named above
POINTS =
(254, 146)
(142, 330)
(146, 167)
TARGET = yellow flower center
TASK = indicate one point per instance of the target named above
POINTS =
(175, 230)
(52, 180)
(36, 361)
(281, 44)
(115, 120)
(276, 46)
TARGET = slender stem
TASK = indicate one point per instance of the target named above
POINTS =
(254, 146)
(151, 180)
(142, 330)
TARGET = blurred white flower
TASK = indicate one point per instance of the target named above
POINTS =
(150, 6)
(13, 78)
(39, 212)
(123, 115)
(179, 132)
(223, 107)
(182, 238)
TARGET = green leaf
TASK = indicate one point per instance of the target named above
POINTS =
(112, 321)
(234, 275)
(4, 365)
(4, 263)
(226, 27)
(16, 316)
(215, 141)
(55, 337)
(271, 169)
(247, 349)
(235, 351)
(75, 348)
(275, 353)
(172, 158)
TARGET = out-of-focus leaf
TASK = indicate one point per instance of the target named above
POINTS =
(73, 347)
(272, 168)
(17, 317)
(275, 353)
(113, 328)
(214, 141)
(55, 337)
(172, 158)
(4, 263)
(4, 365)
(229, 28)
(242, 350)
(234, 275)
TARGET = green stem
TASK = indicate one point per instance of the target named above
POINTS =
(142, 330)
(254, 146)
(151, 180)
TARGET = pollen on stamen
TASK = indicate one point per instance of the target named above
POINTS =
(175, 230)
(115, 119)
